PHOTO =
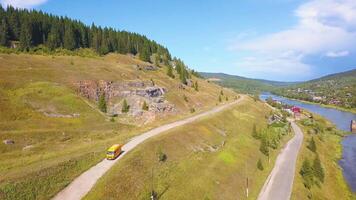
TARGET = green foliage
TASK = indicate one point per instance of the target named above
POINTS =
(145, 106)
(32, 28)
(220, 99)
(260, 165)
(312, 146)
(196, 87)
(221, 92)
(125, 107)
(318, 169)
(102, 103)
(192, 110)
(307, 173)
(162, 157)
(264, 146)
(170, 71)
(227, 98)
(254, 132)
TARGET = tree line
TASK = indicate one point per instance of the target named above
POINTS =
(32, 28)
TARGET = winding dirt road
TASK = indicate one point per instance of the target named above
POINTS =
(83, 183)
(278, 185)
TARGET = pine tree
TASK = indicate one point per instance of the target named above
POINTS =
(260, 165)
(54, 39)
(102, 103)
(25, 35)
(125, 107)
(69, 41)
(307, 173)
(145, 106)
(170, 71)
(4, 33)
(254, 132)
(264, 146)
(312, 146)
(318, 169)
(196, 87)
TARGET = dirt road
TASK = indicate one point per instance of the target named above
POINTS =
(82, 184)
(278, 185)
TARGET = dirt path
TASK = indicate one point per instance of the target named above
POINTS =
(83, 184)
(278, 185)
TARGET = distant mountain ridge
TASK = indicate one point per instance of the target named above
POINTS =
(244, 84)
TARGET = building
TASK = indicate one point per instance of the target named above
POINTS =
(297, 112)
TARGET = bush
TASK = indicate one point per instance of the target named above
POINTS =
(102, 103)
(318, 169)
(260, 165)
(145, 106)
(192, 110)
(125, 107)
(312, 146)
(307, 173)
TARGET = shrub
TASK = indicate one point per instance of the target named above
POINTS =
(260, 165)
(192, 110)
(318, 169)
(145, 106)
(312, 146)
(125, 107)
(307, 173)
(185, 98)
(102, 103)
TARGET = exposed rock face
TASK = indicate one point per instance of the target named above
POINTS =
(135, 92)
(146, 68)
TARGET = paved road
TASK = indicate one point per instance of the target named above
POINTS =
(83, 184)
(278, 185)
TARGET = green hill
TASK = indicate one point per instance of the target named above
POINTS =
(335, 90)
(243, 84)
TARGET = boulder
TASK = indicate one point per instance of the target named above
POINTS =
(8, 142)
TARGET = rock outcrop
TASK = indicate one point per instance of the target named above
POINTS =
(135, 92)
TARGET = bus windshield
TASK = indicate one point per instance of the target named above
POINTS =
(110, 153)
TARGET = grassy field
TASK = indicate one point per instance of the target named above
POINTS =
(50, 151)
(208, 159)
(329, 149)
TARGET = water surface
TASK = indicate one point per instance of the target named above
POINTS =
(342, 121)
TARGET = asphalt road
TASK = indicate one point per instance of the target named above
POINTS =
(81, 185)
(278, 185)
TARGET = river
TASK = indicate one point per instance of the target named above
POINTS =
(342, 121)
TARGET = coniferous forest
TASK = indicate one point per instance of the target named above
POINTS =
(31, 28)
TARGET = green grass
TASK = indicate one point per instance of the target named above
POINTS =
(193, 170)
(56, 149)
(329, 149)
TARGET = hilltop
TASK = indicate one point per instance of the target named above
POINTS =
(243, 84)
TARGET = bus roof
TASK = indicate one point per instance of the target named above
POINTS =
(114, 147)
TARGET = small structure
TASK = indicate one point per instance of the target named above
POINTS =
(297, 112)
(353, 126)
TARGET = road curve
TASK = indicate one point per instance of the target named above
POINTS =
(81, 185)
(278, 185)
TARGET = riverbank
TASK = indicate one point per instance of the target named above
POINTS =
(351, 110)
(330, 182)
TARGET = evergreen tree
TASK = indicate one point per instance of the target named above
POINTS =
(25, 36)
(307, 173)
(264, 146)
(318, 169)
(254, 132)
(4, 33)
(145, 106)
(260, 165)
(312, 146)
(125, 107)
(170, 71)
(69, 41)
(54, 39)
(102, 103)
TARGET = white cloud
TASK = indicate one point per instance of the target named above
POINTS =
(22, 3)
(334, 54)
(323, 26)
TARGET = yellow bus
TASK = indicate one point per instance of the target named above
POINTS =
(113, 152)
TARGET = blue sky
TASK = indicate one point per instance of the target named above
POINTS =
(286, 40)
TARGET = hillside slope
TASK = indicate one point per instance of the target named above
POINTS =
(336, 89)
(53, 119)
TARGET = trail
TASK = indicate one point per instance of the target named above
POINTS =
(81, 185)
(278, 185)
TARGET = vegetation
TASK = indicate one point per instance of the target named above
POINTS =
(318, 174)
(125, 107)
(337, 90)
(36, 90)
(219, 163)
(102, 103)
(145, 106)
(260, 165)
